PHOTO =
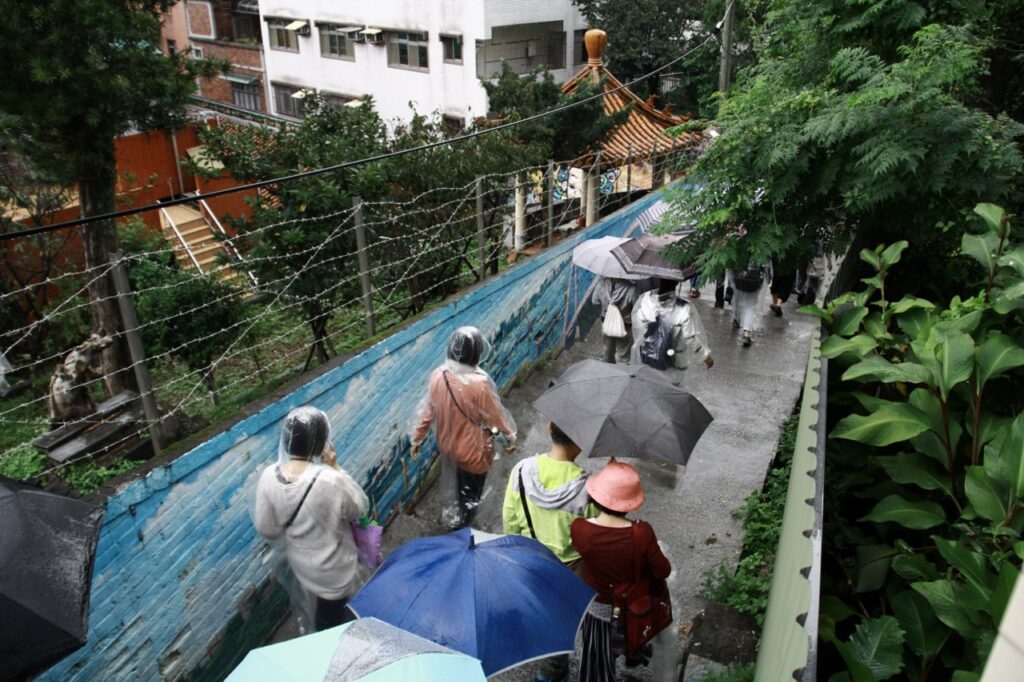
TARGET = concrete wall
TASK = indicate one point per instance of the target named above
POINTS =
(181, 586)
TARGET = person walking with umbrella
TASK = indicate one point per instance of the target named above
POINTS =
(545, 494)
(463, 406)
(668, 332)
(613, 548)
(307, 502)
(616, 297)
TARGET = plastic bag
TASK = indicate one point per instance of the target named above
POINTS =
(613, 325)
(656, 347)
(368, 535)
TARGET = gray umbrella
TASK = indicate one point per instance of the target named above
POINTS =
(624, 411)
(642, 256)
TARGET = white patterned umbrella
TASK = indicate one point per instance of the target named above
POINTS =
(595, 255)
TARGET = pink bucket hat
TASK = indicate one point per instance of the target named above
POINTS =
(616, 487)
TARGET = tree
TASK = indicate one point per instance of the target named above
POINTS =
(309, 259)
(852, 114)
(88, 71)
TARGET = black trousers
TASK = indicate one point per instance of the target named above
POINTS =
(471, 489)
(331, 612)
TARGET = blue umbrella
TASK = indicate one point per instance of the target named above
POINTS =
(504, 599)
(366, 649)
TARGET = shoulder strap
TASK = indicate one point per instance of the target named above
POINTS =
(444, 375)
(291, 519)
(526, 508)
(638, 554)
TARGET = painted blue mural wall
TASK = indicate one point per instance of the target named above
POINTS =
(178, 564)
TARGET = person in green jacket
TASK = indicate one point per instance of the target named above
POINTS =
(556, 495)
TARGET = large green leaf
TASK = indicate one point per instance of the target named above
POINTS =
(916, 323)
(872, 566)
(856, 671)
(1008, 574)
(914, 567)
(1013, 259)
(891, 255)
(982, 248)
(943, 596)
(985, 495)
(971, 565)
(892, 423)
(868, 402)
(871, 257)
(954, 352)
(997, 354)
(878, 644)
(915, 514)
(877, 368)
(1010, 465)
(993, 216)
(913, 468)
(910, 303)
(1009, 299)
(925, 634)
(859, 345)
(846, 322)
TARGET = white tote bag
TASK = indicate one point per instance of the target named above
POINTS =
(613, 325)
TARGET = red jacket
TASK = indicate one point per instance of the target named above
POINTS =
(609, 559)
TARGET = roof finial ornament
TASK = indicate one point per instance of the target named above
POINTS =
(595, 40)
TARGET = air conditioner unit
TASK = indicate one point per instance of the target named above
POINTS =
(353, 33)
(374, 36)
(300, 26)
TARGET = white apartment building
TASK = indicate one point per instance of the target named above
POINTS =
(428, 53)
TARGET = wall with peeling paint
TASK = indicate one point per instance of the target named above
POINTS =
(180, 585)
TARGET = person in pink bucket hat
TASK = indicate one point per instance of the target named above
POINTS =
(608, 545)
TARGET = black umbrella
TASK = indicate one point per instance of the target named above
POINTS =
(643, 256)
(47, 544)
(624, 411)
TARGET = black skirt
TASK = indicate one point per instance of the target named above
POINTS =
(597, 660)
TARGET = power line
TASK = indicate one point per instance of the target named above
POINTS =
(351, 164)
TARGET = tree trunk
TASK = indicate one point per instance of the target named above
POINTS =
(96, 188)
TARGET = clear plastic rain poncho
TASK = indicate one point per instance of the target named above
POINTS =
(464, 409)
(304, 508)
(689, 340)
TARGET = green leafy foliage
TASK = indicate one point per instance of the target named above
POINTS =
(926, 471)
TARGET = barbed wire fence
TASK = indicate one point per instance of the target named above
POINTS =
(392, 257)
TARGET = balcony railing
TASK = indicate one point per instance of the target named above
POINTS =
(522, 55)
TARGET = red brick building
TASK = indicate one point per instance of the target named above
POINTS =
(228, 30)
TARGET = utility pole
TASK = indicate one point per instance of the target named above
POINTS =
(725, 71)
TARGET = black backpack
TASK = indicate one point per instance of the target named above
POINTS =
(750, 280)
(656, 344)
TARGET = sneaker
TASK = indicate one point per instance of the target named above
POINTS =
(777, 309)
(694, 293)
(747, 339)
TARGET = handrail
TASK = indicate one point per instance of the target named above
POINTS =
(228, 246)
(181, 238)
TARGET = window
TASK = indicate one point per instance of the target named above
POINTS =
(288, 101)
(453, 124)
(408, 50)
(280, 37)
(452, 49)
(172, 47)
(579, 48)
(334, 42)
(246, 95)
(196, 52)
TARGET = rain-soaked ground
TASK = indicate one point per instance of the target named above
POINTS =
(749, 391)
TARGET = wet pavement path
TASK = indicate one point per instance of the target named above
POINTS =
(750, 392)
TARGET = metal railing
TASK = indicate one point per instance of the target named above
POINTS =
(181, 239)
(232, 250)
(522, 56)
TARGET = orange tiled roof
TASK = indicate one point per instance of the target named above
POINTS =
(644, 129)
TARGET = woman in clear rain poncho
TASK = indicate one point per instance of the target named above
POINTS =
(305, 504)
(749, 287)
(689, 343)
(462, 404)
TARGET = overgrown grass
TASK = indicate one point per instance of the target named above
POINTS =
(746, 590)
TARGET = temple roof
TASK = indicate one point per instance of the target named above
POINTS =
(644, 129)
